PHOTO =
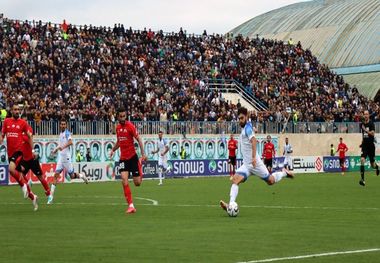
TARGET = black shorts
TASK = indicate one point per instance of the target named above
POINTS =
(132, 165)
(368, 151)
(32, 164)
(232, 160)
(16, 158)
(268, 162)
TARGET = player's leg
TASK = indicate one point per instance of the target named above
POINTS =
(135, 167)
(342, 166)
(14, 162)
(160, 169)
(36, 169)
(261, 171)
(74, 175)
(57, 174)
(362, 162)
(240, 176)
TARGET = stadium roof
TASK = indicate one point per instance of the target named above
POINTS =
(341, 33)
(344, 34)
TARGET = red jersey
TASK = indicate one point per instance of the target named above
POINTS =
(27, 150)
(269, 152)
(13, 130)
(342, 148)
(125, 134)
(232, 146)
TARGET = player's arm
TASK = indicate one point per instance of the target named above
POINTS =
(2, 136)
(253, 143)
(274, 152)
(371, 131)
(30, 138)
(114, 148)
(156, 151)
(143, 156)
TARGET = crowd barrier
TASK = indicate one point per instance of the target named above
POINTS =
(109, 171)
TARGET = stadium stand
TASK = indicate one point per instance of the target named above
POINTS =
(85, 73)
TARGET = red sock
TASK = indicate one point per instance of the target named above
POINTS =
(30, 193)
(128, 194)
(45, 185)
(17, 176)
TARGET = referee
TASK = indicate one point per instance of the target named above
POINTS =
(368, 146)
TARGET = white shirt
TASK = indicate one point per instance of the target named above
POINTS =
(247, 133)
(288, 149)
(161, 145)
(64, 138)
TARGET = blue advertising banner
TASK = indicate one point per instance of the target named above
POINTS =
(332, 164)
(4, 175)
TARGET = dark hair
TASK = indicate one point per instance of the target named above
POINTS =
(340, 138)
(120, 110)
(63, 120)
(243, 111)
(160, 132)
(96, 145)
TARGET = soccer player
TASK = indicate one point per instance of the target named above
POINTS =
(30, 161)
(252, 164)
(129, 163)
(64, 159)
(269, 153)
(342, 149)
(13, 128)
(162, 149)
(288, 150)
(368, 146)
(232, 147)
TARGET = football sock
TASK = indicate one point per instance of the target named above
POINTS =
(362, 171)
(278, 176)
(234, 192)
(52, 189)
(30, 193)
(45, 185)
(19, 178)
(160, 176)
(127, 194)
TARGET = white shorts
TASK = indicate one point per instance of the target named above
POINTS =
(64, 163)
(163, 161)
(259, 170)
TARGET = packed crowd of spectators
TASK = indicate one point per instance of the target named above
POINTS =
(86, 73)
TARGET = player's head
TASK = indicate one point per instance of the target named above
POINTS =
(63, 125)
(286, 140)
(121, 115)
(340, 139)
(366, 115)
(16, 111)
(160, 135)
(332, 145)
(268, 138)
(231, 136)
(243, 116)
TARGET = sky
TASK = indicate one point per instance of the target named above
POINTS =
(216, 16)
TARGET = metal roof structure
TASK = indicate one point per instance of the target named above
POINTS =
(340, 33)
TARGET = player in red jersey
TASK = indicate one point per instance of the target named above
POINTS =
(129, 163)
(232, 147)
(13, 128)
(269, 153)
(342, 149)
(30, 162)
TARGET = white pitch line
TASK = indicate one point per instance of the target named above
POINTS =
(314, 255)
(154, 202)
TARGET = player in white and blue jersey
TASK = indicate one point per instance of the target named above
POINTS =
(162, 149)
(288, 150)
(64, 159)
(252, 164)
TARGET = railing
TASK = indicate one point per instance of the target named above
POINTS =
(197, 127)
(231, 85)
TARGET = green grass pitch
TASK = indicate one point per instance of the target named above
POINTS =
(312, 214)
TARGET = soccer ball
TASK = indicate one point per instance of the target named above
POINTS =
(233, 209)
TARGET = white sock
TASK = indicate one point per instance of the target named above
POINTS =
(52, 189)
(278, 176)
(234, 192)
(131, 205)
(160, 176)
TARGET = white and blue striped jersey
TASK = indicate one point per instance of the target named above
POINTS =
(64, 138)
(161, 145)
(247, 133)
